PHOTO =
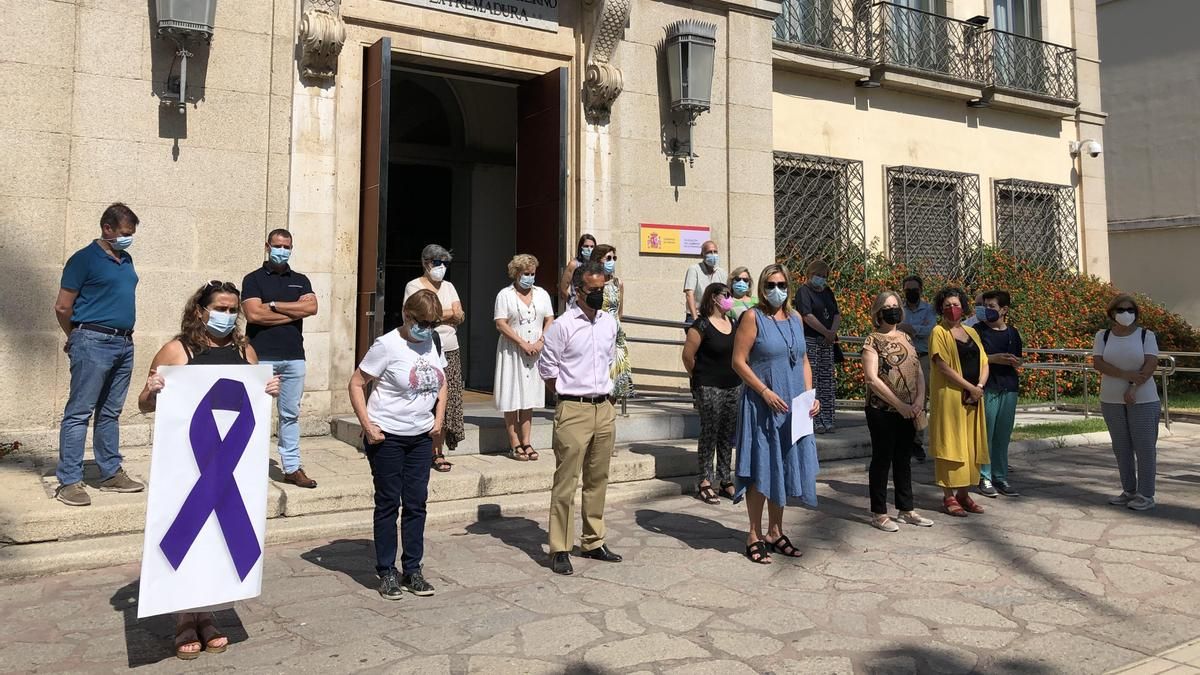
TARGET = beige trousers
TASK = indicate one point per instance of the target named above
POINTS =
(584, 434)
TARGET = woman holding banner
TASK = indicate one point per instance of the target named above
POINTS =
(208, 335)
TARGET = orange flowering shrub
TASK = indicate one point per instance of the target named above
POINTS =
(1052, 309)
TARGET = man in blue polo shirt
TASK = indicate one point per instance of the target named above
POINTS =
(95, 308)
(276, 300)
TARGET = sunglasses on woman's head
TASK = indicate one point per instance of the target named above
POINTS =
(771, 285)
(1124, 310)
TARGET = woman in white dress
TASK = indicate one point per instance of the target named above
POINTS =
(523, 313)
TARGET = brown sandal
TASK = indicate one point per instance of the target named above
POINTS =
(531, 453)
(213, 636)
(181, 630)
(518, 453)
(707, 494)
(953, 507)
(440, 464)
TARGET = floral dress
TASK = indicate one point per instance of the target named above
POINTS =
(622, 370)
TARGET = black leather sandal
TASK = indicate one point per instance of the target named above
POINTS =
(784, 546)
(531, 453)
(707, 494)
(728, 490)
(440, 464)
(757, 553)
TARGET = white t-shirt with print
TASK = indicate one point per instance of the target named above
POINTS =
(447, 295)
(409, 376)
(1126, 353)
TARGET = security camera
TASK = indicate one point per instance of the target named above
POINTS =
(1092, 147)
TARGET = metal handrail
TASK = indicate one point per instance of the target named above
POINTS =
(1167, 367)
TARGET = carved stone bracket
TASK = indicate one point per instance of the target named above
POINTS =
(322, 34)
(602, 80)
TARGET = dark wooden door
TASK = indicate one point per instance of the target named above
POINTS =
(542, 173)
(372, 223)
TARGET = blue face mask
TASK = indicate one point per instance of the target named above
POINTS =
(981, 313)
(610, 266)
(776, 296)
(711, 259)
(421, 334)
(121, 243)
(818, 282)
(585, 252)
(527, 281)
(220, 324)
(280, 255)
(740, 288)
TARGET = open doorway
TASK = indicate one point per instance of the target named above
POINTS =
(467, 161)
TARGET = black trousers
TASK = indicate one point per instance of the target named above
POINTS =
(400, 466)
(891, 449)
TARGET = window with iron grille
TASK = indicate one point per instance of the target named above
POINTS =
(818, 210)
(933, 220)
(1036, 223)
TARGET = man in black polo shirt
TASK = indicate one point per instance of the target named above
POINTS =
(276, 300)
(95, 308)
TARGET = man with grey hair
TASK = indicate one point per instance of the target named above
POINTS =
(436, 262)
(700, 276)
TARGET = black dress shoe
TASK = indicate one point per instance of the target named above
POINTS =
(602, 553)
(560, 563)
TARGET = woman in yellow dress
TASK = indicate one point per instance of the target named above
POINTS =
(957, 426)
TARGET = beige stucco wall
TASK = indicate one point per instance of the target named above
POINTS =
(80, 127)
(1157, 262)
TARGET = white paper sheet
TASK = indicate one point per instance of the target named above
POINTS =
(802, 423)
(206, 576)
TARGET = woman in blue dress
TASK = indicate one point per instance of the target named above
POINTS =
(770, 357)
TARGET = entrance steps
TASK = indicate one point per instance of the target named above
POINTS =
(485, 434)
(39, 535)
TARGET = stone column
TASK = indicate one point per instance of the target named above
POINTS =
(1089, 123)
(751, 222)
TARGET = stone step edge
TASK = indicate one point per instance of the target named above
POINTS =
(54, 557)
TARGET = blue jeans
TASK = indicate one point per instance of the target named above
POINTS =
(291, 390)
(100, 369)
(400, 466)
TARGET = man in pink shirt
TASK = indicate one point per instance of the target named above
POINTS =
(580, 347)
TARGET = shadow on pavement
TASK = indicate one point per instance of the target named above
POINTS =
(152, 640)
(920, 659)
(697, 532)
(518, 532)
(353, 557)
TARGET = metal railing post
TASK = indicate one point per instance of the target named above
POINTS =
(1055, 371)
(624, 406)
(1085, 393)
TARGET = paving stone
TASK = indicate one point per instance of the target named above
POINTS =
(952, 613)
(901, 626)
(827, 665)
(502, 665)
(422, 665)
(673, 617)
(1049, 612)
(1074, 653)
(558, 636)
(644, 649)
(776, 621)
(505, 643)
(722, 666)
(618, 621)
(1151, 543)
(977, 639)
(1137, 580)
(897, 665)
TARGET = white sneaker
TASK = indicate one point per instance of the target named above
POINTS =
(1140, 503)
(914, 518)
(884, 523)
(1122, 499)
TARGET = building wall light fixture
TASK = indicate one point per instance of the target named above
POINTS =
(690, 48)
(185, 22)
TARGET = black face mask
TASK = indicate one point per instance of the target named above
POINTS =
(595, 299)
(891, 315)
(912, 295)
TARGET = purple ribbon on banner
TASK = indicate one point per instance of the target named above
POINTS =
(216, 490)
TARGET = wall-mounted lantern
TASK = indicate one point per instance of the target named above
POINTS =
(184, 22)
(690, 49)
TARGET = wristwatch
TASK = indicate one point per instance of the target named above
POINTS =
(271, 304)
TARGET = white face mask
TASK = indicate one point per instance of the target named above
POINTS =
(1126, 318)
(437, 273)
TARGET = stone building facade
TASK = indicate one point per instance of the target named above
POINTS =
(371, 127)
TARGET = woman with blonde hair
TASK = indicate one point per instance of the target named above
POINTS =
(895, 400)
(1126, 354)
(769, 355)
(614, 300)
(740, 286)
(523, 313)
(958, 424)
(208, 335)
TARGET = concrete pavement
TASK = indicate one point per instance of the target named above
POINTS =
(1055, 581)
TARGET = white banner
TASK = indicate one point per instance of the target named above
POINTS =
(206, 516)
